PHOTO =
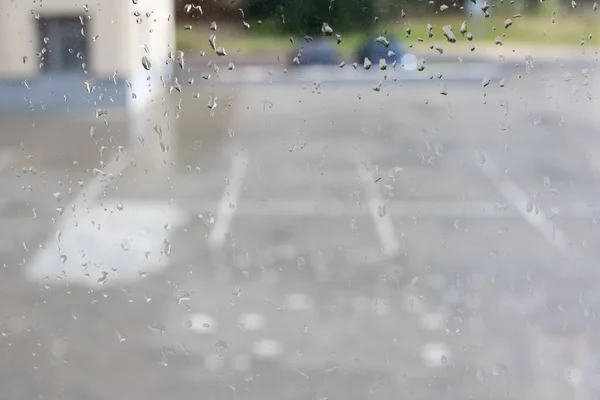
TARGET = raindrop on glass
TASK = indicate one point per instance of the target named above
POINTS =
(326, 29)
(447, 31)
(146, 63)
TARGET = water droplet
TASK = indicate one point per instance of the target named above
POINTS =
(507, 23)
(443, 90)
(213, 26)
(221, 346)
(221, 51)
(207, 220)
(125, 245)
(367, 63)
(146, 63)
(429, 30)
(119, 336)
(301, 262)
(212, 40)
(212, 103)
(102, 280)
(529, 206)
(463, 27)
(326, 29)
(63, 258)
(383, 40)
(499, 41)
(167, 247)
(447, 31)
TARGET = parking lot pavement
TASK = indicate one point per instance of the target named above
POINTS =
(322, 241)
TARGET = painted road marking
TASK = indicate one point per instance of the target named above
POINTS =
(6, 156)
(298, 301)
(513, 193)
(377, 208)
(307, 74)
(228, 204)
(398, 208)
(267, 348)
(93, 189)
(436, 354)
(252, 321)
(334, 208)
(46, 262)
(202, 323)
(105, 248)
(432, 321)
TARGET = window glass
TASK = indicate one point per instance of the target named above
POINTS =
(299, 199)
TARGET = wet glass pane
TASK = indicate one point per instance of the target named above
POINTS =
(256, 199)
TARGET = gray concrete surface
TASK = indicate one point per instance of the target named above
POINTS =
(303, 242)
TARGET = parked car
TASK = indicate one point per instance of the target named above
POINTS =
(321, 51)
(389, 50)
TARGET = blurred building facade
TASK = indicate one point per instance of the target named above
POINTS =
(65, 55)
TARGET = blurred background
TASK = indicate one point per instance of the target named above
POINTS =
(333, 199)
(551, 25)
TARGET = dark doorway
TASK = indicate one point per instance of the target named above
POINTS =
(63, 44)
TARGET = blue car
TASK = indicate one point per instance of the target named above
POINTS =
(380, 48)
(322, 51)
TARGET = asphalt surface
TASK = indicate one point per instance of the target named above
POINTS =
(371, 238)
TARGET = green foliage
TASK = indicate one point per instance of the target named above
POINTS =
(307, 16)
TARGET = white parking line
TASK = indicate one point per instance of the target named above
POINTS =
(436, 354)
(311, 73)
(6, 156)
(94, 188)
(400, 209)
(381, 217)
(227, 205)
(513, 193)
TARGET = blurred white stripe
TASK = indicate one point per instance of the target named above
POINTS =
(6, 156)
(381, 218)
(227, 205)
(513, 193)
(333, 208)
(454, 70)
